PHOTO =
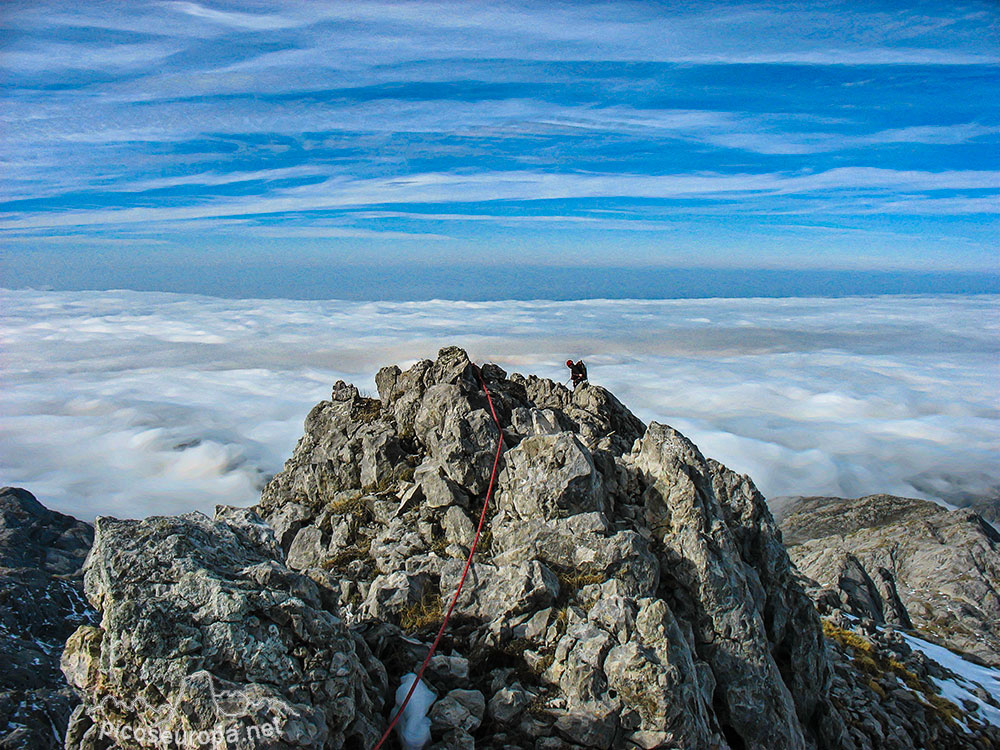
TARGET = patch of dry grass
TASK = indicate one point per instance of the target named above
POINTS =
(847, 638)
(867, 658)
(360, 550)
(876, 688)
(366, 410)
(428, 611)
(634, 696)
(439, 545)
(354, 504)
(943, 707)
(571, 580)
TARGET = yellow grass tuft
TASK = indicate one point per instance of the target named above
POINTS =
(419, 615)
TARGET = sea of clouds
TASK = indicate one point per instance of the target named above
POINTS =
(135, 403)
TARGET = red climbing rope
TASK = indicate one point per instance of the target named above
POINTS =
(468, 564)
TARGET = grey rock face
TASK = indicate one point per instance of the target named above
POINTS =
(41, 603)
(550, 476)
(903, 561)
(203, 630)
(32, 536)
(459, 709)
(747, 609)
(495, 591)
(628, 592)
(346, 445)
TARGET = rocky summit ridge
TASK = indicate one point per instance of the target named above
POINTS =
(628, 593)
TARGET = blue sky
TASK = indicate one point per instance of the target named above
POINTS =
(156, 136)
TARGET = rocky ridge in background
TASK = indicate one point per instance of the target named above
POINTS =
(987, 507)
(41, 604)
(628, 593)
(905, 562)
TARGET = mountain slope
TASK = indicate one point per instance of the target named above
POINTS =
(904, 561)
(41, 604)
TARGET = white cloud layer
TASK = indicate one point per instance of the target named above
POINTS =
(129, 403)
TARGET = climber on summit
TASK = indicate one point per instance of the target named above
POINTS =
(577, 371)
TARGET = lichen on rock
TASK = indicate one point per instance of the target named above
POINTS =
(205, 630)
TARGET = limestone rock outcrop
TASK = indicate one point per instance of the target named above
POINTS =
(206, 634)
(41, 604)
(628, 593)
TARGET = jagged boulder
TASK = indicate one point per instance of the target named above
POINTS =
(41, 603)
(750, 621)
(550, 476)
(905, 562)
(205, 634)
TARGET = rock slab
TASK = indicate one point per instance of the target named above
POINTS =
(204, 632)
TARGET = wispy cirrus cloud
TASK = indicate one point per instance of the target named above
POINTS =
(234, 19)
(482, 187)
(49, 58)
(184, 113)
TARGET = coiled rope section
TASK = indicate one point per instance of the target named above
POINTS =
(468, 563)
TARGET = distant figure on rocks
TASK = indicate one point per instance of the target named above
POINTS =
(577, 371)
